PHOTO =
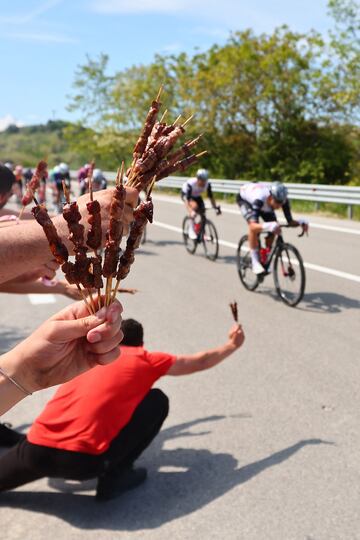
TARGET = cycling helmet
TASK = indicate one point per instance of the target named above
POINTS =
(98, 175)
(202, 174)
(279, 192)
(9, 165)
(63, 168)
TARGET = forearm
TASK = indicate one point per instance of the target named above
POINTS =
(7, 212)
(23, 246)
(209, 359)
(213, 202)
(32, 287)
(10, 395)
(203, 360)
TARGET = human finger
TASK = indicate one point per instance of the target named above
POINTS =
(102, 346)
(65, 331)
(108, 329)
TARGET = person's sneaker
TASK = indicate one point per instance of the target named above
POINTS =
(257, 268)
(9, 437)
(116, 482)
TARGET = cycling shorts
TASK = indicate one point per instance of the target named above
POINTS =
(198, 200)
(248, 212)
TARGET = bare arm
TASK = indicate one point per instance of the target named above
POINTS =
(187, 364)
(38, 287)
(24, 246)
(7, 212)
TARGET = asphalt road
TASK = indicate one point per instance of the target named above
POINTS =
(265, 446)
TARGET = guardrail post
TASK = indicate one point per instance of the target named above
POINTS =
(350, 211)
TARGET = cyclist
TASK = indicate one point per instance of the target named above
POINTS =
(27, 175)
(257, 200)
(99, 180)
(191, 195)
(82, 178)
(60, 173)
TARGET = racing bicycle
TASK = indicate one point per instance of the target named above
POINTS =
(285, 261)
(206, 234)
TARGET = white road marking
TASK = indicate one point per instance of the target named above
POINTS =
(226, 210)
(36, 299)
(308, 266)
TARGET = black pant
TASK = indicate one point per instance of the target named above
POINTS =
(26, 462)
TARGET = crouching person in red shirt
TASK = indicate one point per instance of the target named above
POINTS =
(98, 424)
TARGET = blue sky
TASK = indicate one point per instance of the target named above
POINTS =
(42, 41)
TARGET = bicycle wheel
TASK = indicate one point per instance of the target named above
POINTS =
(190, 244)
(210, 241)
(289, 274)
(244, 266)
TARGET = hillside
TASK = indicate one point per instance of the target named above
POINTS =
(28, 144)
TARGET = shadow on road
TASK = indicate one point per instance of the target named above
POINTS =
(180, 482)
(317, 302)
(328, 302)
(10, 337)
(165, 242)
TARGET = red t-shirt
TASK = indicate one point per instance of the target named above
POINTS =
(86, 413)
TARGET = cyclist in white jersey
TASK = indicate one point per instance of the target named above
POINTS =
(257, 200)
(191, 192)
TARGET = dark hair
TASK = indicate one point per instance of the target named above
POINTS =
(7, 179)
(133, 333)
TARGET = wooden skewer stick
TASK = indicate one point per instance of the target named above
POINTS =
(159, 92)
(151, 186)
(202, 154)
(21, 213)
(187, 121)
(89, 308)
(115, 290)
(121, 173)
(66, 191)
(163, 116)
(91, 184)
(108, 291)
(92, 300)
(176, 121)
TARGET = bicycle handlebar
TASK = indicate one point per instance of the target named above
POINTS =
(287, 226)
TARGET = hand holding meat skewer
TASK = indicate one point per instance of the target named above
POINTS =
(153, 159)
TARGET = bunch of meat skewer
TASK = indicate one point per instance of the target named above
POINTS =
(154, 158)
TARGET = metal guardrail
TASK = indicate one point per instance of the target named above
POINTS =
(316, 193)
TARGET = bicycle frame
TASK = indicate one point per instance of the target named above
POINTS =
(276, 245)
(203, 223)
